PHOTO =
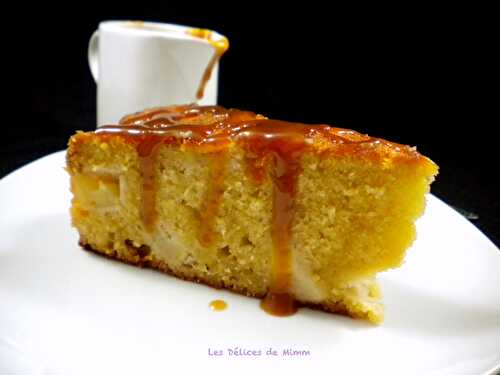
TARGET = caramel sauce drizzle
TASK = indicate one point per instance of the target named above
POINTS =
(147, 159)
(220, 47)
(272, 147)
(278, 300)
(212, 201)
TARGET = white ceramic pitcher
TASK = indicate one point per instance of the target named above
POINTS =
(139, 65)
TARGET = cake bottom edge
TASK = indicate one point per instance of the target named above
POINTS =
(337, 307)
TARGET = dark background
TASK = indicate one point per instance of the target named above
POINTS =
(420, 75)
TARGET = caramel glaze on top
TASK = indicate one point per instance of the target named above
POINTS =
(212, 129)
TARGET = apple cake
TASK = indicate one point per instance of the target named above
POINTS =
(295, 214)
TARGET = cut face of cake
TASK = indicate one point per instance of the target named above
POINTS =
(294, 214)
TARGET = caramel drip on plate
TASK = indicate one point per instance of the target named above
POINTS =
(218, 305)
(273, 150)
(213, 198)
(220, 47)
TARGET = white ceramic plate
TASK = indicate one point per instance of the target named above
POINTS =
(67, 311)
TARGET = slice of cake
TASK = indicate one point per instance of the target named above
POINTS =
(294, 214)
